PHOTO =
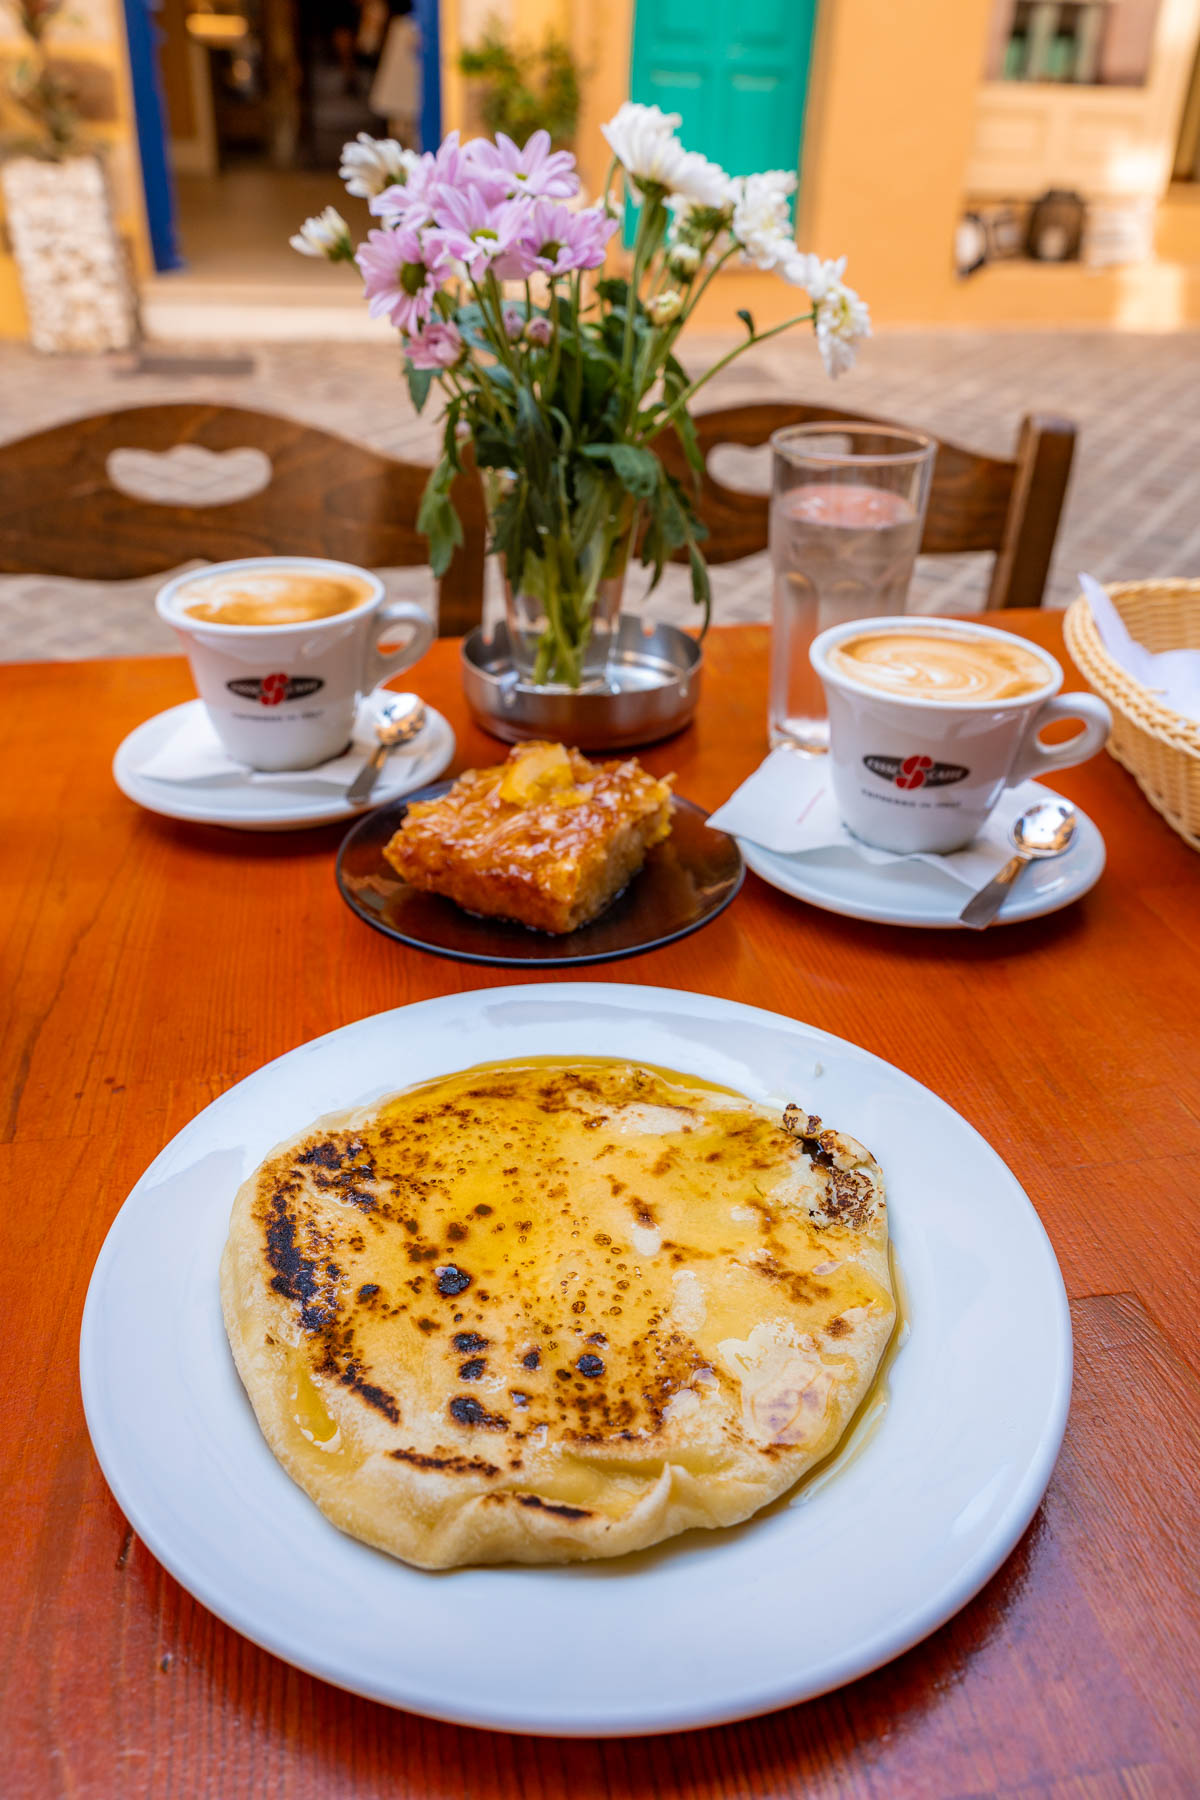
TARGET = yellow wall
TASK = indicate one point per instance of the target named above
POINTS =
(92, 35)
(891, 116)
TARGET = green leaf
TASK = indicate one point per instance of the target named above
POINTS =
(419, 383)
(450, 450)
(437, 519)
(685, 431)
(747, 320)
(635, 468)
(614, 289)
(676, 527)
(493, 449)
(701, 586)
(594, 501)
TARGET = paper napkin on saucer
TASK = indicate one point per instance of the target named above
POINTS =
(788, 806)
(194, 754)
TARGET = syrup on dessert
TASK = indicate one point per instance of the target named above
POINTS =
(562, 1247)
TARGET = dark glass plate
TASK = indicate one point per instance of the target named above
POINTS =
(686, 881)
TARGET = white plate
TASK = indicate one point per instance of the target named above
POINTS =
(916, 893)
(707, 1628)
(253, 806)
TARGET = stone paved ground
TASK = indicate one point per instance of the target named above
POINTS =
(1133, 508)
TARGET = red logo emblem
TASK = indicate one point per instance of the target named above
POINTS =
(913, 771)
(916, 771)
(273, 690)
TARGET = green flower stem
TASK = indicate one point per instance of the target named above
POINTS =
(606, 190)
(681, 401)
(642, 251)
(501, 347)
(694, 295)
(671, 332)
(577, 366)
(555, 342)
(490, 393)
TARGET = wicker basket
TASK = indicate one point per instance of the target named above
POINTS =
(1160, 748)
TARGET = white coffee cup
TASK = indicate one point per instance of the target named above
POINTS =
(285, 696)
(915, 773)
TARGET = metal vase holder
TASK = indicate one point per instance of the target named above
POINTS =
(651, 691)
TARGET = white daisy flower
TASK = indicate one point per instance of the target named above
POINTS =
(642, 138)
(325, 235)
(369, 165)
(842, 318)
(699, 182)
(761, 222)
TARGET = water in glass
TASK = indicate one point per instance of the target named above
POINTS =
(839, 550)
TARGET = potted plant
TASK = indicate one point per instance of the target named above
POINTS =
(523, 90)
(70, 260)
(564, 380)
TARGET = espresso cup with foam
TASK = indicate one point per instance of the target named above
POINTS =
(931, 719)
(282, 648)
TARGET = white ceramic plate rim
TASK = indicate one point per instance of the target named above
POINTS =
(836, 885)
(268, 807)
(198, 1484)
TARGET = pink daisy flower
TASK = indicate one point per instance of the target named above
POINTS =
(401, 275)
(535, 170)
(560, 240)
(438, 345)
(453, 166)
(472, 229)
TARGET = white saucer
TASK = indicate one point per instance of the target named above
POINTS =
(237, 801)
(917, 893)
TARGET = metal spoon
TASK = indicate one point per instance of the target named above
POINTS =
(400, 720)
(1042, 830)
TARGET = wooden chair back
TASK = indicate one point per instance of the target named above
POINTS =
(62, 514)
(1009, 505)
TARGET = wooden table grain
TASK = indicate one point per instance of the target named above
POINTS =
(151, 964)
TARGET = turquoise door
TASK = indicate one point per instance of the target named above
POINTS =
(737, 73)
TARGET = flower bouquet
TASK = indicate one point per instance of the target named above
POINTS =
(565, 381)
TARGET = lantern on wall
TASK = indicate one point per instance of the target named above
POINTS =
(1056, 227)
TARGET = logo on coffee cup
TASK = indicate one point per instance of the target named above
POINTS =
(273, 690)
(916, 771)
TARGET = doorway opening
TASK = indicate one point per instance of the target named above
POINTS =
(259, 98)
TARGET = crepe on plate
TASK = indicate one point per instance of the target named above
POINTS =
(550, 1310)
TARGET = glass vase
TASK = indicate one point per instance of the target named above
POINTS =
(563, 615)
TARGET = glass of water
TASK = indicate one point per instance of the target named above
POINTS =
(847, 511)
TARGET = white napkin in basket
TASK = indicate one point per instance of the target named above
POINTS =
(787, 805)
(1172, 676)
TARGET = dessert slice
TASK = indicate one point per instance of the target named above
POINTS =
(546, 838)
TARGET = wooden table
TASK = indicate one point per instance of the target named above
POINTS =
(153, 964)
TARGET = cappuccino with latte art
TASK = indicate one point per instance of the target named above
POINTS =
(283, 649)
(930, 720)
(932, 665)
(274, 595)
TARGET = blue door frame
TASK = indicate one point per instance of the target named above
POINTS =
(151, 119)
(429, 20)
